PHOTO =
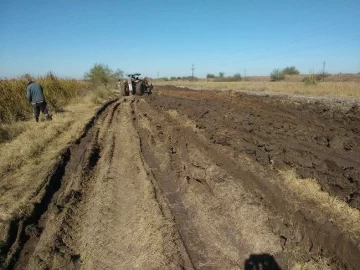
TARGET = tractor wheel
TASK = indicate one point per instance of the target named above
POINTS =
(139, 88)
(125, 90)
(150, 88)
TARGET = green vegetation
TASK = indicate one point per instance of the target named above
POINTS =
(101, 74)
(313, 79)
(277, 75)
(222, 78)
(235, 78)
(310, 80)
(290, 71)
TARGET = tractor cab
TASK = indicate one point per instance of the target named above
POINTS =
(134, 76)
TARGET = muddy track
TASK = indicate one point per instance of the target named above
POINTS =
(318, 140)
(152, 185)
(20, 230)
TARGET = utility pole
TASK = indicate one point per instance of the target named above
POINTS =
(324, 71)
(244, 73)
(192, 71)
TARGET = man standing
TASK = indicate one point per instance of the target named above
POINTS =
(35, 95)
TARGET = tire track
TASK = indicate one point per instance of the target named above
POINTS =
(210, 230)
(29, 229)
(106, 213)
(144, 189)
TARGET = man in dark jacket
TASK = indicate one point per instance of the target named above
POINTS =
(35, 95)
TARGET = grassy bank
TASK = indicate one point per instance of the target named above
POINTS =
(339, 89)
(58, 92)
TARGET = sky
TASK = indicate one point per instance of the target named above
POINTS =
(163, 38)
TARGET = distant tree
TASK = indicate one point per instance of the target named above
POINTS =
(290, 71)
(210, 76)
(237, 77)
(101, 74)
(221, 74)
(164, 79)
(277, 75)
(172, 78)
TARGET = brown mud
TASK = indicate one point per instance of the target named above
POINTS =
(186, 180)
(320, 141)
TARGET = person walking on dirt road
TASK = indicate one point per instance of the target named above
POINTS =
(35, 95)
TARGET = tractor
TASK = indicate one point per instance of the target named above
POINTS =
(135, 86)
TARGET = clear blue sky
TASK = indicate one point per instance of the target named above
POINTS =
(168, 36)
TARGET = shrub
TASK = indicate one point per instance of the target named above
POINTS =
(277, 75)
(310, 80)
(237, 77)
(101, 74)
(290, 71)
(210, 76)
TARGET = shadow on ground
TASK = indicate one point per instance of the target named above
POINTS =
(261, 262)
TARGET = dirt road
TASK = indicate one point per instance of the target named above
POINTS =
(197, 180)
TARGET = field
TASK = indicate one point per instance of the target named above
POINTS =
(346, 89)
(187, 179)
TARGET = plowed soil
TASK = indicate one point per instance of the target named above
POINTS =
(189, 179)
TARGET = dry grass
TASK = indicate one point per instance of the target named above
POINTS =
(99, 94)
(58, 92)
(338, 89)
(322, 264)
(26, 160)
(336, 210)
(10, 128)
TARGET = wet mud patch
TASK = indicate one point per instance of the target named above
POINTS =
(318, 140)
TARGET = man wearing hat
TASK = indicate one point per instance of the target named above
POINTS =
(35, 95)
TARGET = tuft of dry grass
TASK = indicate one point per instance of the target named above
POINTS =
(322, 264)
(100, 94)
(335, 209)
(337, 89)
(11, 131)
